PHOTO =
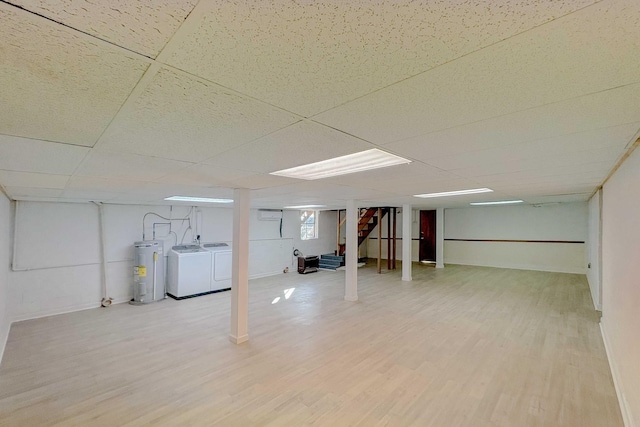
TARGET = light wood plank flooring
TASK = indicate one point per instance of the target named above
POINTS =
(463, 346)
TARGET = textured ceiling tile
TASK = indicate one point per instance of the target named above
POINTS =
(546, 173)
(612, 139)
(142, 26)
(34, 180)
(341, 192)
(299, 144)
(591, 50)
(536, 177)
(127, 166)
(600, 110)
(576, 161)
(159, 191)
(391, 176)
(181, 117)
(311, 56)
(30, 155)
(564, 198)
(87, 195)
(436, 186)
(19, 193)
(556, 188)
(256, 182)
(111, 185)
(58, 85)
(204, 176)
(307, 188)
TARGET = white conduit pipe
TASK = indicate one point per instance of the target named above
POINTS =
(106, 300)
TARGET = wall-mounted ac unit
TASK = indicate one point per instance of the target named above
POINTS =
(269, 215)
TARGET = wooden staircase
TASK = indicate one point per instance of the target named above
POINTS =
(366, 223)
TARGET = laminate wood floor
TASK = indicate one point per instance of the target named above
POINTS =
(463, 346)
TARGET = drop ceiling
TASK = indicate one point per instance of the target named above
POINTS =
(111, 102)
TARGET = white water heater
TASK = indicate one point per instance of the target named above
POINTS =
(148, 272)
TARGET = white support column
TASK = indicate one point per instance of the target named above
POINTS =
(351, 255)
(406, 242)
(240, 267)
(440, 238)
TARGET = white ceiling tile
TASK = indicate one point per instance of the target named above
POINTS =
(30, 179)
(308, 57)
(106, 164)
(30, 155)
(62, 85)
(156, 190)
(204, 175)
(588, 51)
(256, 182)
(597, 168)
(604, 109)
(144, 27)
(570, 162)
(401, 179)
(410, 171)
(564, 198)
(299, 144)
(87, 195)
(537, 176)
(132, 198)
(429, 186)
(297, 186)
(612, 139)
(543, 114)
(341, 192)
(20, 193)
(111, 185)
(548, 190)
(185, 118)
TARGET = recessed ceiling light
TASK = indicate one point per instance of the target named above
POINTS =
(502, 202)
(351, 163)
(198, 199)
(305, 207)
(455, 193)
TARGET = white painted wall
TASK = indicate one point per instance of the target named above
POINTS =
(594, 247)
(5, 259)
(58, 249)
(621, 283)
(562, 222)
(326, 241)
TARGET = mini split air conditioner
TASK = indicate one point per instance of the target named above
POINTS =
(269, 215)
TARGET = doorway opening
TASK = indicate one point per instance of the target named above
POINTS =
(427, 250)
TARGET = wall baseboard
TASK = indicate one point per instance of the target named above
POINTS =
(272, 273)
(47, 313)
(627, 418)
(520, 267)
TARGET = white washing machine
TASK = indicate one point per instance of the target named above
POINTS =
(221, 261)
(188, 271)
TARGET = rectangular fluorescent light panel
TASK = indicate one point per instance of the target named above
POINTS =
(455, 193)
(198, 199)
(351, 163)
(502, 202)
(305, 207)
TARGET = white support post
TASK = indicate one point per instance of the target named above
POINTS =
(240, 267)
(440, 238)
(351, 254)
(406, 243)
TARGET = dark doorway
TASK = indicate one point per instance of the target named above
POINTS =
(427, 236)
